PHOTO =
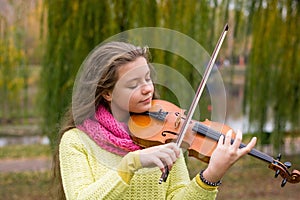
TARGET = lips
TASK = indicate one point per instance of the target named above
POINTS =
(148, 100)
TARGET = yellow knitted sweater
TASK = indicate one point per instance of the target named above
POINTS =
(89, 172)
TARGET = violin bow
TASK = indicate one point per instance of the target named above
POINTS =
(196, 99)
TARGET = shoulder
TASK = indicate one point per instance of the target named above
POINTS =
(73, 132)
(73, 135)
(74, 139)
(76, 142)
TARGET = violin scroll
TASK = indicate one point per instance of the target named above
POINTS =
(282, 170)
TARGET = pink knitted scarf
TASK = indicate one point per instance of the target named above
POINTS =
(108, 133)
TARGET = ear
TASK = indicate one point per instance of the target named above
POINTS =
(107, 96)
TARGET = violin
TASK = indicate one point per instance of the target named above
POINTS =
(162, 123)
(165, 122)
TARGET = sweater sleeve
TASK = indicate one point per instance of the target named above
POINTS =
(182, 188)
(77, 177)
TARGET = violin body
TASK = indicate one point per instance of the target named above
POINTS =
(164, 127)
(163, 122)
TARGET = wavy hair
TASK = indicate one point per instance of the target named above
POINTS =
(97, 75)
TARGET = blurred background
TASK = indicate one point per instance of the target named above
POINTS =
(44, 42)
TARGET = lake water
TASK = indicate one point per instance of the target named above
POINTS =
(25, 140)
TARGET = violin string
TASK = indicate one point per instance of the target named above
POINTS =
(206, 131)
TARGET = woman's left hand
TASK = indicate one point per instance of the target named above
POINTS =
(225, 155)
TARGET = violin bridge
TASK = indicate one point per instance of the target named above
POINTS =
(178, 120)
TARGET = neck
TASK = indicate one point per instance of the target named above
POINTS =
(119, 115)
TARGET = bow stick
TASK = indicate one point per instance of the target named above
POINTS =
(196, 99)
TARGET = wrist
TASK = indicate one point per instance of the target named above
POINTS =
(210, 182)
(128, 165)
(204, 185)
(212, 174)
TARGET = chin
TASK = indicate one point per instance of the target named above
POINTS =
(148, 106)
(143, 108)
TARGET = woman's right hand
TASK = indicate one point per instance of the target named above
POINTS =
(159, 156)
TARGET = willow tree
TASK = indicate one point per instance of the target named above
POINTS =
(74, 28)
(273, 75)
(71, 31)
(13, 64)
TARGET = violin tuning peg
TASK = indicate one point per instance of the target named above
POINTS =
(279, 156)
(288, 164)
(277, 173)
(283, 182)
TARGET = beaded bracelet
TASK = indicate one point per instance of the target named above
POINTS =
(215, 184)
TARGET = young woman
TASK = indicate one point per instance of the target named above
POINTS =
(97, 158)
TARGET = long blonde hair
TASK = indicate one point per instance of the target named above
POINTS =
(98, 74)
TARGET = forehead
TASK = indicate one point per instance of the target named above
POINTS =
(133, 70)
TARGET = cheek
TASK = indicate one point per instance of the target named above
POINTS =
(132, 97)
(126, 98)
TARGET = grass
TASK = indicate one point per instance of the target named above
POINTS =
(25, 185)
(249, 179)
(252, 180)
(25, 151)
(29, 185)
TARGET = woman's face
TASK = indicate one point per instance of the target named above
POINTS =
(133, 91)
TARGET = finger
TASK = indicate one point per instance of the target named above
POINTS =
(253, 142)
(228, 138)
(175, 148)
(166, 159)
(238, 139)
(170, 153)
(158, 162)
(221, 140)
(250, 145)
(161, 161)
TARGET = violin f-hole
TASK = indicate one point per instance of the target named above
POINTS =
(164, 133)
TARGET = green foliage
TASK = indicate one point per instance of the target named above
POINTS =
(273, 74)
(75, 28)
(13, 71)
(17, 49)
(264, 31)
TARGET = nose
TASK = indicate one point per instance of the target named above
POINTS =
(147, 88)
